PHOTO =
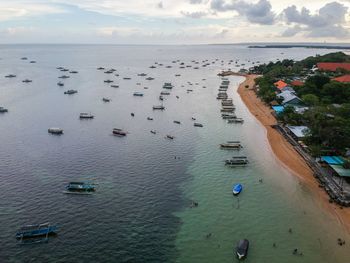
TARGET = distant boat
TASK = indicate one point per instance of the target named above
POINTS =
(142, 74)
(153, 131)
(115, 86)
(177, 122)
(236, 189)
(149, 78)
(242, 248)
(132, 114)
(170, 137)
(24, 58)
(160, 107)
(127, 78)
(108, 81)
(106, 100)
(61, 84)
(57, 131)
(149, 118)
(36, 231)
(231, 145)
(152, 66)
(70, 92)
(64, 77)
(138, 94)
(167, 85)
(27, 80)
(119, 132)
(3, 110)
(161, 97)
(73, 72)
(10, 76)
(196, 124)
(165, 93)
(235, 120)
(100, 68)
(64, 69)
(85, 115)
(80, 188)
(237, 161)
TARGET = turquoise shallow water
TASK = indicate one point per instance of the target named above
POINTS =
(140, 212)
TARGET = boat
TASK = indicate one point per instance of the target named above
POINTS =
(56, 131)
(196, 124)
(152, 66)
(73, 72)
(160, 107)
(61, 84)
(10, 76)
(24, 58)
(138, 94)
(38, 233)
(149, 118)
(161, 97)
(170, 137)
(64, 77)
(177, 122)
(64, 70)
(237, 161)
(153, 131)
(27, 80)
(70, 91)
(127, 78)
(108, 81)
(106, 100)
(236, 189)
(167, 85)
(242, 248)
(80, 188)
(149, 78)
(142, 74)
(231, 145)
(85, 115)
(165, 93)
(235, 120)
(3, 110)
(108, 72)
(115, 86)
(132, 114)
(100, 68)
(119, 132)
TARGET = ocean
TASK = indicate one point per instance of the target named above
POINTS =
(141, 211)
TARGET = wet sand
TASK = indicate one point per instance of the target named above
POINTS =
(285, 152)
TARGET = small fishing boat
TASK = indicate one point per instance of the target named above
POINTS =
(35, 233)
(106, 100)
(236, 189)
(149, 118)
(108, 81)
(27, 80)
(85, 115)
(64, 77)
(235, 120)
(119, 132)
(115, 86)
(196, 124)
(70, 91)
(161, 97)
(3, 110)
(100, 68)
(242, 248)
(152, 66)
(80, 188)
(177, 122)
(170, 137)
(231, 145)
(153, 131)
(138, 94)
(64, 69)
(237, 161)
(10, 76)
(132, 114)
(61, 84)
(126, 78)
(142, 74)
(149, 78)
(165, 93)
(160, 107)
(167, 85)
(57, 131)
(73, 72)
(24, 58)
(193, 118)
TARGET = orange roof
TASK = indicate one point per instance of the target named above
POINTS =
(280, 84)
(344, 79)
(333, 66)
(297, 83)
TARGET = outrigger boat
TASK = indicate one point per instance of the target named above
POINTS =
(165, 93)
(236, 189)
(3, 110)
(80, 188)
(70, 92)
(153, 131)
(236, 120)
(167, 85)
(106, 100)
(170, 137)
(119, 132)
(57, 131)
(85, 115)
(160, 107)
(38, 233)
(139, 94)
(27, 80)
(196, 124)
(177, 122)
(108, 81)
(61, 84)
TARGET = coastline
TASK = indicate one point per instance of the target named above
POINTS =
(285, 152)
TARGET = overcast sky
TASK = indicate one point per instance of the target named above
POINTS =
(173, 21)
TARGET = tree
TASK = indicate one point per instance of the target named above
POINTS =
(310, 99)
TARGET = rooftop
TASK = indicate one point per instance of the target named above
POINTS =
(343, 79)
(328, 66)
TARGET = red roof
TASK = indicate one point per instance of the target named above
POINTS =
(297, 83)
(333, 66)
(280, 84)
(344, 79)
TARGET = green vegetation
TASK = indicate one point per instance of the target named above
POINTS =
(328, 116)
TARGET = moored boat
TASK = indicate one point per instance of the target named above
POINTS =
(36, 231)
(80, 188)
(55, 131)
(196, 124)
(177, 122)
(106, 100)
(85, 115)
(237, 189)
(231, 145)
(167, 85)
(242, 248)
(27, 81)
(160, 107)
(237, 161)
(61, 84)
(171, 137)
(3, 110)
(138, 94)
(70, 91)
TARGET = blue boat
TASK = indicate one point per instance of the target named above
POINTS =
(236, 189)
(39, 233)
(80, 188)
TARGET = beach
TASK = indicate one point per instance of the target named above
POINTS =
(285, 152)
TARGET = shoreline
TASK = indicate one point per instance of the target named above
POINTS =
(284, 151)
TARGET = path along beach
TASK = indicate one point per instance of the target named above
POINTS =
(285, 152)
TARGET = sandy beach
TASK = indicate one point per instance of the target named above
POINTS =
(285, 152)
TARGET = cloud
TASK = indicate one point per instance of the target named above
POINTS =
(329, 21)
(198, 14)
(195, 2)
(258, 13)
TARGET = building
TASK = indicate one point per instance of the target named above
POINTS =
(280, 84)
(289, 98)
(330, 66)
(298, 132)
(343, 79)
(297, 83)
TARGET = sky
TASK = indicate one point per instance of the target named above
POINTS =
(174, 21)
